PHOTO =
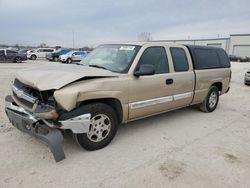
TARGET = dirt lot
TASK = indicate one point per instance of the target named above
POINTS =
(183, 148)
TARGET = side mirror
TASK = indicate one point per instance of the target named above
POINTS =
(145, 70)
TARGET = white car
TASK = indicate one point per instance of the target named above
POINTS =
(39, 53)
(73, 56)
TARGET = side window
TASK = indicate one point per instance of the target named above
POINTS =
(76, 53)
(10, 52)
(2, 53)
(206, 58)
(179, 59)
(157, 57)
(224, 60)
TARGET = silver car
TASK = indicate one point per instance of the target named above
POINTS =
(39, 53)
(73, 56)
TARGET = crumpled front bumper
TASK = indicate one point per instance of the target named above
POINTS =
(42, 130)
(27, 123)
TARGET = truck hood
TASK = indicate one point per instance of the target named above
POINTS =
(55, 77)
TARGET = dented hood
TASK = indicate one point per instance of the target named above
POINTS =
(55, 77)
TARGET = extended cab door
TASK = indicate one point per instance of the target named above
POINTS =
(183, 76)
(150, 95)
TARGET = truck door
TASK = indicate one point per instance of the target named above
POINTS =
(183, 77)
(151, 94)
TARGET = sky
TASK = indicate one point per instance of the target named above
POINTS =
(91, 22)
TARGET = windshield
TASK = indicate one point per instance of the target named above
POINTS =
(116, 58)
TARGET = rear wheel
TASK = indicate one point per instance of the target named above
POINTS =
(102, 128)
(55, 58)
(17, 60)
(211, 101)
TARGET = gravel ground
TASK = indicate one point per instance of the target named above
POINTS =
(183, 148)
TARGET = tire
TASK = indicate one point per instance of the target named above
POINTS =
(211, 101)
(33, 57)
(69, 60)
(91, 141)
(55, 59)
(17, 60)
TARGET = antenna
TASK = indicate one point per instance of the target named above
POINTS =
(73, 38)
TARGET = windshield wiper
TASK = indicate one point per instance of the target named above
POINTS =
(98, 66)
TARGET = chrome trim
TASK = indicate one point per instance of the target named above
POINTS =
(79, 124)
(20, 93)
(160, 100)
(141, 104)
(183, 96)
(10, 106)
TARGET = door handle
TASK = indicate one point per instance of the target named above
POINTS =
(169, 81)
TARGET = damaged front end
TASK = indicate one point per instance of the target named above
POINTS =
(35, 113)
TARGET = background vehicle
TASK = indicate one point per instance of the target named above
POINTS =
(247, 78)
(238, 59)
(11, 56)
(39, 53)
(116, 83)
(23, 51)
(54, 56)
(73, 56)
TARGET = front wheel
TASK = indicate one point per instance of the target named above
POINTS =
(211, 101)
(33, 57)
(69, 60)
(102, 128)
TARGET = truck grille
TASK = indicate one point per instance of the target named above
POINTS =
(24, 94)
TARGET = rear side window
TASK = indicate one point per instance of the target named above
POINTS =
(206, 58)
(179, 59)
(157, 57)
(10, 52)
(224, 60)
(48, 50)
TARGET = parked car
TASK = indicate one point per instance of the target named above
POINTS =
(116, 83)
(39, 53)
(245, 59)
(23, 51)
(238, 59)
(247, 78)
(55, 55)
(73, 56)
(7, 55)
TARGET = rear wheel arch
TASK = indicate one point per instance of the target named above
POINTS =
(219, 85)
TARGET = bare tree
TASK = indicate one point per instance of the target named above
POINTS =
(145, 36)
(42, 45)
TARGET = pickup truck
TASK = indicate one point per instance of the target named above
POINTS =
(115, 84)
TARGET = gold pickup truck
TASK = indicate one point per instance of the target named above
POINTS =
(115, 84)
